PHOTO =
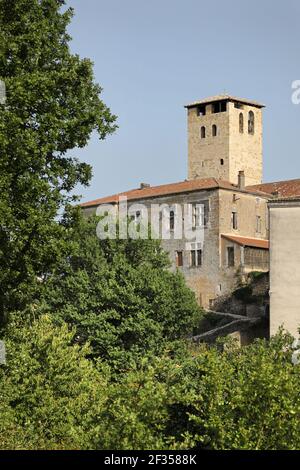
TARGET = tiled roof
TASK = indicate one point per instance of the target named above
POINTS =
(168, 189)
(212, 99)
(282, 189)
(247, 241)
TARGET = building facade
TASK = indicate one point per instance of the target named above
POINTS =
(284, 265)
(225, 184)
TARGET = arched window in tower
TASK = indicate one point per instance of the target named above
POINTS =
(214, 130)
(251, 123)
(241, 122)
(202, 132)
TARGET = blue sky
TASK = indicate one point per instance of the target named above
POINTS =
(152, 57)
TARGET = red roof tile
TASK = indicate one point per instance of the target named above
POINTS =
(247, 241)
(168, 189)
(288, 188)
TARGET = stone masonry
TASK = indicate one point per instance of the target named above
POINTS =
(219, 142)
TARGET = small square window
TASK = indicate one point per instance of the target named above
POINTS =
(219, 107)
(201, 110)
(238, 105)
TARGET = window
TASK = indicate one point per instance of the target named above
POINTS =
(255, 258)
(241, 123)
(199, 215)
(238, 105)
(179, 259)
(202, 132)
(251, 123)
(214, 130)
(136, 216)
(172, 220)
(201, 110)
(195, 255)
(219, 107)
(195, 216)
(258, 224)
(234, 220)
(230, 256)
(222, 161)
(223, 107)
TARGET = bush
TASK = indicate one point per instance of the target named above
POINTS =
(52, 397)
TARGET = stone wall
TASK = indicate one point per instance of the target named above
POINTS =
(224, 155)
(213, 278)
(245, 149)
(204, 155)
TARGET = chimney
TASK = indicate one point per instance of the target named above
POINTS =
(144, 185)
(241, 180)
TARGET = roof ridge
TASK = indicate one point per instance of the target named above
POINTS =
(197, 184)
(274, 182)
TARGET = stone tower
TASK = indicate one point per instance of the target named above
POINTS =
(224, 138)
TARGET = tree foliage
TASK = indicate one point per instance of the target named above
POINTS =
(236, 399)
(247, 398)
(53, 106)
(139, 385)
(52, 397)
(120, 296)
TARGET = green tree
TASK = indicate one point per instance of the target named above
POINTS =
(52, 397)
(241, 398)
(53, 106)
(139, 404)
(120, 296)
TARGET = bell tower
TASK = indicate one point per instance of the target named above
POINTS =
(224, 138)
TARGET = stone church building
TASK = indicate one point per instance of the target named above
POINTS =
(225, 166)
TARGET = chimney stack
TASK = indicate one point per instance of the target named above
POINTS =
(241, 180)
(144, 185)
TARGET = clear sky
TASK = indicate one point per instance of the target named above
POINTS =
(152, 57)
